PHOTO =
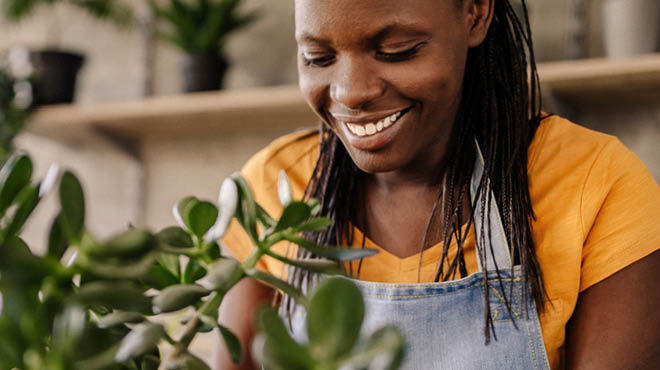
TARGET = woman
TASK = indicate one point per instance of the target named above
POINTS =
(412, 96)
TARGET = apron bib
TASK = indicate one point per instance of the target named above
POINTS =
(443, 323)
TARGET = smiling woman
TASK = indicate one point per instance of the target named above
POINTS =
(505, 233)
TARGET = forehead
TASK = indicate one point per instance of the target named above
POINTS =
(345, 19)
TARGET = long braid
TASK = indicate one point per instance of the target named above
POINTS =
(501, 108)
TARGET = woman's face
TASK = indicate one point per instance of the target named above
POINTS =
(386, 75)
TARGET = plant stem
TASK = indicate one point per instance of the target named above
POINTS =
(188, 335)
(252, 260)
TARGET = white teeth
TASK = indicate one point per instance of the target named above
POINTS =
(372, 128)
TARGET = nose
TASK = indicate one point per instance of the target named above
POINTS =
(355, 84)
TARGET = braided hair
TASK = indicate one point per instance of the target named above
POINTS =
(500, 107)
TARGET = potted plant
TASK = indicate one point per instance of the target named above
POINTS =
(200, 29)
(55, 69)
(89, 304)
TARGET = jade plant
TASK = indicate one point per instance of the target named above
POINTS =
(94, 304)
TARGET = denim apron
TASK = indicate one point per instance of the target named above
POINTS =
(443, 323)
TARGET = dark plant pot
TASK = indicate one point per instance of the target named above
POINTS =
(55, 76)
(203, 72)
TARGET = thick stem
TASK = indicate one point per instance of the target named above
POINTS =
(188, 335)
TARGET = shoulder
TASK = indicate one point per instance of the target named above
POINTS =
(594, 196)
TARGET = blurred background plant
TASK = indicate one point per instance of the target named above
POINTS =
(200, 29)
(15, 99)
(56, 69)
(90, 304)
(112, 10)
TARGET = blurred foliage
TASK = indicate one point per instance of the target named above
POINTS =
(90, 304)
(113, 10)
(199, 26)
(14, 110)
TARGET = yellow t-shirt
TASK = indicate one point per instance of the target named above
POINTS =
(597, 208)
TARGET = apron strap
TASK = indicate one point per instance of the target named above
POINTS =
(501, 251)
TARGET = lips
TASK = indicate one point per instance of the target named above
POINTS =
(373, 128)
(365, 135)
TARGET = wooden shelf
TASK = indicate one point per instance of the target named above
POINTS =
(241, 110)
(591, 81)
(604, 81)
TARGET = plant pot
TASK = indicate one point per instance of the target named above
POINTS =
(203, 72)
(631, 27)
(55, 74)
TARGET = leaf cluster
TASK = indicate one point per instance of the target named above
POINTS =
(90, 304)
(200, 27)
(112, 10)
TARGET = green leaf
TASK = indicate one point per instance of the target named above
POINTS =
(186, 361)
(176, 297)
(73, 206)
(315, 205)
(131, 243)
(26, 202)
(175, 237)
(314, 265)
(142, 339)
(222, 275)
(333, 253)
(118, 269)
(57, 243)
(277, 284)
(201, 217)
(118, 318)
(193, 272)
(149, 362)
(159, 277)
(118, 295)
(293, 215)
(170, 263)
(14, 176)
(280, 349)
(265, 218)
(385, 347)
(182, 208)
(334, 318)
(316, 225)
(232, 343)
(247, 212)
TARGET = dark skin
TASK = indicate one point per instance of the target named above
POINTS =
(347, 75)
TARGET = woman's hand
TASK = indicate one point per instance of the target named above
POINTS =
(616, 323)
(238, 312)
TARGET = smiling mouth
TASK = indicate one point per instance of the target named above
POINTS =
(370, 129)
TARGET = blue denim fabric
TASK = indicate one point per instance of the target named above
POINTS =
(443, 323)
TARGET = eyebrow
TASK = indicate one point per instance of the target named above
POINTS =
(413, 29)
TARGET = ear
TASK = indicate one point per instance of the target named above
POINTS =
(479, 17)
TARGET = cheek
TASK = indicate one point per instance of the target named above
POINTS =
(312, 89)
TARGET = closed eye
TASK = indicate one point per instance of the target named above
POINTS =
(400, 56)
(320, 61)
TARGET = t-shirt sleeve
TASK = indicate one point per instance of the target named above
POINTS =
(620, 214)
